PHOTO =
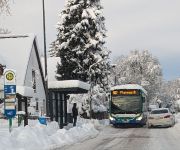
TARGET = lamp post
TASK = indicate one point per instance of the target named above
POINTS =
(45, 59)
(115, 77)
(2, 67)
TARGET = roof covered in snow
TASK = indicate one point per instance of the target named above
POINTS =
(70, 86)
(15, 52)
(129, 86)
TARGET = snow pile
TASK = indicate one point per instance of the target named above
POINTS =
(73, 135)
(95, 122)
(41, 137)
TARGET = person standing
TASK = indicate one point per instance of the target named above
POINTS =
(75, 114)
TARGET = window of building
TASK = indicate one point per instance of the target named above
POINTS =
(37, 105)
(34, 80)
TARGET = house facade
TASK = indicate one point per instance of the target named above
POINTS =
(21, 53)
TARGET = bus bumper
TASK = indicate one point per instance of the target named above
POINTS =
(125, 122)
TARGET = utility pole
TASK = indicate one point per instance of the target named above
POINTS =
(45, 60)
(114, 71)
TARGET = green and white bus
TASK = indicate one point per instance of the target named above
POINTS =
(128, 105)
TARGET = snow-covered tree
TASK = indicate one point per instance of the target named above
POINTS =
(170, 92)
(139, 68)
(99, 101)
(80, 43)
(172, 88)
(53, 51)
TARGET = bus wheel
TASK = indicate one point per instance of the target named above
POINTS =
(115, 125)
(141, 125)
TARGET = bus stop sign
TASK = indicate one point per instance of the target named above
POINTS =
(9, 93)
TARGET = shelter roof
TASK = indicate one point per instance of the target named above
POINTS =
(69, 86)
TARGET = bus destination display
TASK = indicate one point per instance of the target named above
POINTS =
(125, 92)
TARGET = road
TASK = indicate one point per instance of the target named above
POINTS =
(111, 138)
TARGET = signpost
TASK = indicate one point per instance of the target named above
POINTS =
(9, 95)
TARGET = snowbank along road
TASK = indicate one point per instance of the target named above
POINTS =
(111, 138)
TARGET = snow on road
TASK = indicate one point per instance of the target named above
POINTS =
(85, 136)
(112, 138)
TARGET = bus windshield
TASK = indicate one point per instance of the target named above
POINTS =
(125, 104)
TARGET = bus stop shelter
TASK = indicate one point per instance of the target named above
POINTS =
(58, 95)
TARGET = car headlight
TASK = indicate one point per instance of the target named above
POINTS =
(111, 118)
(139, 118)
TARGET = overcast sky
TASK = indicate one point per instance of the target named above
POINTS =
(131, 24)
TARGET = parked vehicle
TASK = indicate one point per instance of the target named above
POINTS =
(161, 117)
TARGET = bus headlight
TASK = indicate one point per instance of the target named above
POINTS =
(111, 118)
(139, 118)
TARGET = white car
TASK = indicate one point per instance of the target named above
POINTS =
(161, 117)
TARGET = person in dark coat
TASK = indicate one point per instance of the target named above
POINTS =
(75, 114)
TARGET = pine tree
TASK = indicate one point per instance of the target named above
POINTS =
(80, 46)
(53, 51)
(80, 42)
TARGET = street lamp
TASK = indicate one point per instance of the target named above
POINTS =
(45, 59)
(115, 77)
(2, 67)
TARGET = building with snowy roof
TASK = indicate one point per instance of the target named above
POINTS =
(21, 53)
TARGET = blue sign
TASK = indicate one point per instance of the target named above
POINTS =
(9, 89)
(10, 113)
